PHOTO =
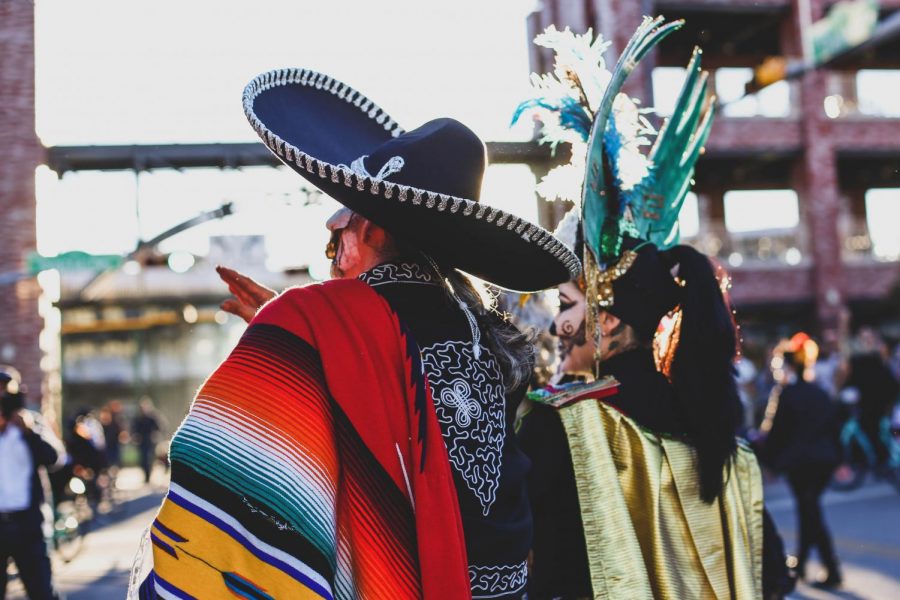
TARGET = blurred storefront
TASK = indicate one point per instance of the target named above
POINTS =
(149, 331)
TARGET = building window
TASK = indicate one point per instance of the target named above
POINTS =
(771, 101)
(761, 226)
(876, 91)
(761, 210)
(689, 217)
(667, 82)
(882, 217)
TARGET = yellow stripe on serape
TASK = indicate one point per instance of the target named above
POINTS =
(648, 533)
(197, 570)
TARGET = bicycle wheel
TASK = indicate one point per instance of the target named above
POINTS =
(68, 537)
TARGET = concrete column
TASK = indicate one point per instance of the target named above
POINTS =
(20, 154)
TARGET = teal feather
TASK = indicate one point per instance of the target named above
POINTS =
(572, 115)
(674, 155)
(621, 195)
(601, 213)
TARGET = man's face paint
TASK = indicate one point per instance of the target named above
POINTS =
(576, 351)
(342, 247)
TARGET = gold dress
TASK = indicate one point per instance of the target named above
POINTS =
(648, 533)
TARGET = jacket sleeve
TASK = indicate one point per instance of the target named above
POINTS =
(43, 451)
(46, 447)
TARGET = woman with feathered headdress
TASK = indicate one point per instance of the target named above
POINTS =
(640, 488)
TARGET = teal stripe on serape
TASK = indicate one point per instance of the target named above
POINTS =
(303, 510)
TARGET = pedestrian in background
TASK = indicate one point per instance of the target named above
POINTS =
(25, 448)
(800, 438)
(113, 431)
(877, 388)
(87, 453)
(146, 431)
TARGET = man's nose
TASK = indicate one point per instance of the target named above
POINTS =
(339, 220)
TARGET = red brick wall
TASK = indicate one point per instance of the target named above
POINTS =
(871, 281)
(764, 286)
(738, 136)
(20, 153)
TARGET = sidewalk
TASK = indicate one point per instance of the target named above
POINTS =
(102, 567)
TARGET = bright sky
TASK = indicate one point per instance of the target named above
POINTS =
(139, 72)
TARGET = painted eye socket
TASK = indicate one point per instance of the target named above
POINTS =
(564, 306)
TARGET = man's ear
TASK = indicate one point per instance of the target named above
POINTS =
(608, 322)
(373, 235)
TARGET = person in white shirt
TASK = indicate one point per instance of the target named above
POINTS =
(24, 449)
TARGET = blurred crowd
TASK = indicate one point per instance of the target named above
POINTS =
(53, 480)
(98, 439)
(824, 419)
(860, 374)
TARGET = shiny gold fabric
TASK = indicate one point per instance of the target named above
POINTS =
(648, 533)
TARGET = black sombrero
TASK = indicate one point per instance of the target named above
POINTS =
(422, 185)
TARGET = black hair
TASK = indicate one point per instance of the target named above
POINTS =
(513, 349)
(702, 372)
(796, 360)
(11, 403)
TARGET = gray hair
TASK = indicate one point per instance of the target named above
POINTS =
(513, 349)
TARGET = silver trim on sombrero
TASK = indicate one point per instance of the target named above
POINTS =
(433, 200)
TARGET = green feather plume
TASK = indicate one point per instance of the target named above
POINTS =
(602, 206)
(623, 190)
(673, 156)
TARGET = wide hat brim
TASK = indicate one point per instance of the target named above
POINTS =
(317, 125)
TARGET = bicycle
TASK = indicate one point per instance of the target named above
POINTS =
(858, 457)
(72, 514)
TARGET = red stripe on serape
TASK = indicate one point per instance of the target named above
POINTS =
(367, 371)
(256, 373)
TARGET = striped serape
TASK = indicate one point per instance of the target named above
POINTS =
(310, 465)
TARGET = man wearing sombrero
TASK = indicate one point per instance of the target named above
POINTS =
(358, 441)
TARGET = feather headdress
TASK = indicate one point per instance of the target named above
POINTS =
(623, 190)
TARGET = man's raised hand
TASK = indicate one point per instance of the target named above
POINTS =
(249, 296)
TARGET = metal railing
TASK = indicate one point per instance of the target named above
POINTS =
(769, 248)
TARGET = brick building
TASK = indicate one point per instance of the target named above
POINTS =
(815, 140)
(20, 154)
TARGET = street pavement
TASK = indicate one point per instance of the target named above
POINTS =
(865, 524)
(101, 569)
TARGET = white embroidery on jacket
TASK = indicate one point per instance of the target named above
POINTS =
(493, 581)
(469, 401)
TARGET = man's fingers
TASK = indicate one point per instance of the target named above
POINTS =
(262, 294)
(238, 309)
(232, 279)
(246, 289)
(227, 275)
